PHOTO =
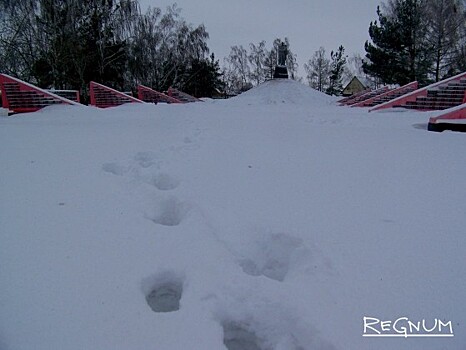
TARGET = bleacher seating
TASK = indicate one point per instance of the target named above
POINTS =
(103, 96)
(21, 97)
(344, 101)
(453, 119)
(181, 96)
(388, 95)
(152, 96)
(369, 94)
(72, 95)
(445, 94)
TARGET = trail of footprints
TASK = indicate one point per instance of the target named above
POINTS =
(270, 256)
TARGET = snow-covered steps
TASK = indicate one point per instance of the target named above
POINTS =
(444, 94)
(388, 95)
(21, 97)
(103, 96)
(149, 95)
(182, 96)
(454, 120)
(368, 95)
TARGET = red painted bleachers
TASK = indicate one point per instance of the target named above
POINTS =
(181, 96)
(152, 96)
(441, 95)
(370, 94)
(21, 97)
(344, 101)
(103, 96)
(453, 119)
(388, 95)
(72, 95)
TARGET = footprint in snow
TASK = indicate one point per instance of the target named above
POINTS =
(272, 256)
(237, 336)
(169, 212)
(115, 169)
(145, 159)
(163, 292)
(163, 182)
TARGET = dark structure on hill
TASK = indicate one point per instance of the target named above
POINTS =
(281, 72)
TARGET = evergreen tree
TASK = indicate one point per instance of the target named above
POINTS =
(398, 53)
(203, 77)
(338, 62)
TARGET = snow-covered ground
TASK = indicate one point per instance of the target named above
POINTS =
(274, 220)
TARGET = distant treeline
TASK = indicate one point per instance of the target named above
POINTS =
(64, 44)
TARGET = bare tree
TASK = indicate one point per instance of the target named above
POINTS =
(446, 21)
(238, 67)
(318, 70)
(257, 59)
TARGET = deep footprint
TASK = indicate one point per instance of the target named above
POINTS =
(165, 294)
(238, 337)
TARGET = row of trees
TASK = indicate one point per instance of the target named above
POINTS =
(67, 43)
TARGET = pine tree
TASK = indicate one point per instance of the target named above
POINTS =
(338, 62)
(203, 77)
(399, 53)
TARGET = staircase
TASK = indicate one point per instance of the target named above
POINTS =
(21, 97)
(445, 94)
(345, 100)
(443, 97)
(365, 96)
(103, 96)
(453, 119)
(72, 95)
(152, 96)
(388, 95)
(181, 96)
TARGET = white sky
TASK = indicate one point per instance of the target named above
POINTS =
(308, 24)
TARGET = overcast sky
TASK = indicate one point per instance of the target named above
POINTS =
(308, 24)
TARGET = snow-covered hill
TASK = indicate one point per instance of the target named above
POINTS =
(283, 91)
(275, 220)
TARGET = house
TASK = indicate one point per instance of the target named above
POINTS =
(353, 87)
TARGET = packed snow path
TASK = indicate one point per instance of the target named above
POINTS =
(274, 220)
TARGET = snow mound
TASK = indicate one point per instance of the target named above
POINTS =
(283, 91)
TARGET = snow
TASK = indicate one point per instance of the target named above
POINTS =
(275, 220)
